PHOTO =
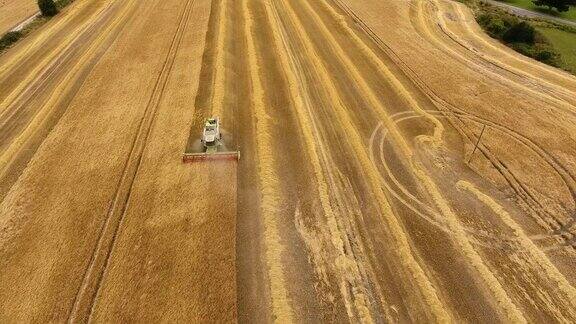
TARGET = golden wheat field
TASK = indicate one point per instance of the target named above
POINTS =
(397, 165)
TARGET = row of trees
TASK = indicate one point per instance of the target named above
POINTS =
(560, 5)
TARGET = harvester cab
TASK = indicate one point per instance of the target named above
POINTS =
(212, 146)
(211, 135)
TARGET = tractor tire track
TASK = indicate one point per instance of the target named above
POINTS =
(96, 270)
(220, 68)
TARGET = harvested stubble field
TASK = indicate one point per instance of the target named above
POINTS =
(357, 197)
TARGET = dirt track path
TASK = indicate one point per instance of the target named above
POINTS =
(354, 199)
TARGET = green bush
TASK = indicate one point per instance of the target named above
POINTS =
(496, 25)
(521, 32)
(541, 52)
(508, 28)
(547, 54)
(8, 39)
(492, 24)
(519, 35)
(47, 7)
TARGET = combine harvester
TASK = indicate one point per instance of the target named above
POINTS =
(211, 147)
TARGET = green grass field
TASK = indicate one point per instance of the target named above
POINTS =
(527, 4)
(565, 43)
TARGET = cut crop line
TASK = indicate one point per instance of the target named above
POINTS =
(219, 83)
(460, 238)
(441, 44)
(484, 67)
(269, 182)
(544, 86)
(357, 304)
(88, 291)
(474, 31)
(420, 279)
(555, 103)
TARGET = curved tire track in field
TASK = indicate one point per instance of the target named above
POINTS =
(556, 227)
(443, 105)
(485, 66)
(521, 77)
(550, 75)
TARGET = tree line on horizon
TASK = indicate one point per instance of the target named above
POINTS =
(559, 5)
